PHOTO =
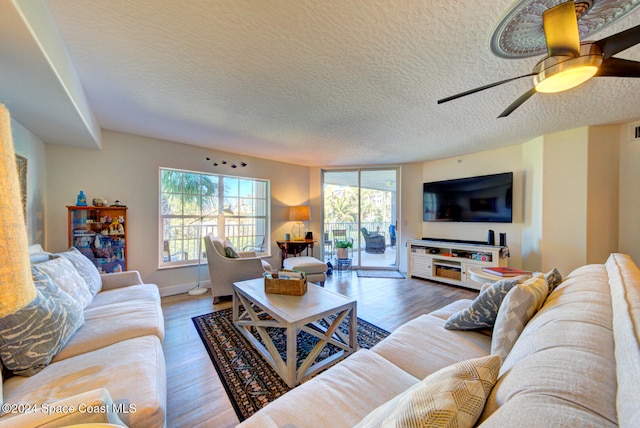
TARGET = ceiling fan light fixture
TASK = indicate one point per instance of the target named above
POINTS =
(564, 80)
(560, 73)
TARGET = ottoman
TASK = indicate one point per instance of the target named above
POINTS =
(312, 267)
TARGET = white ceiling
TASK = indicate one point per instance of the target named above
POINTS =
(315, 82)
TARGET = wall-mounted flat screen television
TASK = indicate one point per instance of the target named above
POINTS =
(486, 198)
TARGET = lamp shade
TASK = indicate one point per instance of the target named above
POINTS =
(300, 213)
(17, 288)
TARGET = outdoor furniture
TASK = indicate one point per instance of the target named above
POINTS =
(392, 234)
(374, 242)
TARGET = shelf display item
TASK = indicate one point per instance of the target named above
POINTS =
(100, 233)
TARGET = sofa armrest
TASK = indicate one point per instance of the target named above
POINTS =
(111, 281)
(89, 407)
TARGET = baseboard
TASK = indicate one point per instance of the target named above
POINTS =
(172, 290)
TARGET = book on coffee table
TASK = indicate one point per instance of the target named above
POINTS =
(505, 271)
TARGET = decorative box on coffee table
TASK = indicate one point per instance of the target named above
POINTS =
(273, 284)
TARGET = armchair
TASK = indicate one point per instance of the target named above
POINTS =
(224, 271)
(374, 242)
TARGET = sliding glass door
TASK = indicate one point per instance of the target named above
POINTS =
(360, 206)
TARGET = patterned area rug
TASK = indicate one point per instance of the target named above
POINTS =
(374, 273)
(248, 378)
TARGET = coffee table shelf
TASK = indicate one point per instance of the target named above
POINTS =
(295, 314)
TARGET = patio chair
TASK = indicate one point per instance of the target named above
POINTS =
(374, 242)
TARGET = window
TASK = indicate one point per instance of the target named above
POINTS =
(192, 203)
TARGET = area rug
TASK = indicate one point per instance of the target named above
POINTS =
(374, 273)
(248, 379)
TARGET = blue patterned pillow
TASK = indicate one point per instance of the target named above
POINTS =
(482, 312)
(31, 337)
(87, 270)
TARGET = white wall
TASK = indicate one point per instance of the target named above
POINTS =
(127, 169)
(531, 235)
(564, 202)
(603, 194)
(629, 230)
(27, 145)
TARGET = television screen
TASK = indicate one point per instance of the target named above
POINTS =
(484, 198)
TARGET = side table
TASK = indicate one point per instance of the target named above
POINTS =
(342, 265)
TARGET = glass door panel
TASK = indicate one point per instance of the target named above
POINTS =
(360, 206)
(378, 205)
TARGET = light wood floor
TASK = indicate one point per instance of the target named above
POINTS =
(196, 397)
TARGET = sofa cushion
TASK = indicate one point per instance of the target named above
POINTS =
(563, 360)
(85, 268)
(63, 273)
(518, 306)
(451, 397)
(133, 371)
(624, 280)
(354, 387)
(32, 336)
(124, 294)
(423, 346)
(138, 315)
(483, 310)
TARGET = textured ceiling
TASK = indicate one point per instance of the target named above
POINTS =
(320, 82)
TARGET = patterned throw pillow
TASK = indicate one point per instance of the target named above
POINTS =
(451, 397)
(518, 307)
(553, 279)
(87, 270)
(67, 277)
(482, 312)
(31, 337)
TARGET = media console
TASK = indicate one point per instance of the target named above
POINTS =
(451, 261)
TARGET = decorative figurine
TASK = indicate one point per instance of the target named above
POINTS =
(82, 200)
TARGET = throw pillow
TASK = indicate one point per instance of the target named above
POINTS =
(67, 277)
(553, 278)
(31, 337)
(518, 307)
(87, 270)
(451, 397)
(482, 312)
(229, 251)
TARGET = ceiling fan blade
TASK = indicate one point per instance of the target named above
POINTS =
(524, 97)
(618, 67)
(618, 42)
(561, 30)
(482, 88)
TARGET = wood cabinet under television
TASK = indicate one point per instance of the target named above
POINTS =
(100, 233)
(451, 262)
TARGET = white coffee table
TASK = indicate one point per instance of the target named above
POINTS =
(295, 314)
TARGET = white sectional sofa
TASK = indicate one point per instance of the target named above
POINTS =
(111, 370)
(576, 363)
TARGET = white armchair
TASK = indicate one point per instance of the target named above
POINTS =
(224, 271)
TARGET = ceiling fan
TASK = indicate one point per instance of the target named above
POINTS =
(570, 63)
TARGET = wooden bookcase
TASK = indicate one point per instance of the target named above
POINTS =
(451, 262)
(100, 233)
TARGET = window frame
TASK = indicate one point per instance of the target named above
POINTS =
(237, 220)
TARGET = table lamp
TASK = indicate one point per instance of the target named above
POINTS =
(298, 214)
(15, 271)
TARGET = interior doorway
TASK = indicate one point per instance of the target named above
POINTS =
(360, 206)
